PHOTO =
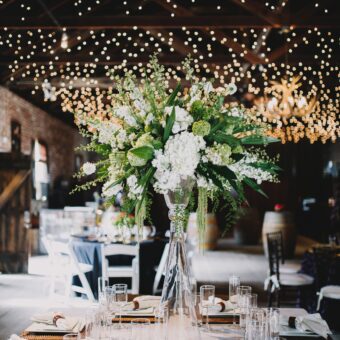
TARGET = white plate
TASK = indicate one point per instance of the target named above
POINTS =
(37, 327)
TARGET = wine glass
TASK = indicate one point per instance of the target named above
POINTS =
(120, 298)
(234, 282)
(207, 299)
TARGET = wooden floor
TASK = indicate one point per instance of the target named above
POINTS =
(23, 295)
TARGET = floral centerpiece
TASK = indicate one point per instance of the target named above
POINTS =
(171, 140)
(156, 136)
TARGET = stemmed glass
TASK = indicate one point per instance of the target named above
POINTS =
(207, 299)
(120, 298)
(234, 282)
(103, 282)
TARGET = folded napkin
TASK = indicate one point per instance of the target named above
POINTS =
(15, 337)
(310, 322)
(142, 302)
(60, 321)
(220, 306)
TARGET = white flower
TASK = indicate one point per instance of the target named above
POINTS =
(89, 168)
(150, 117)
(121, 138)
(183, 118)
(207, 87)
(106, 132)
(124, 113)
(232, 88)
(178, 161)
(135, 189)
(109, 190)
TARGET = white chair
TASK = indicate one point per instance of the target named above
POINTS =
(131, 271)
(65, 265)
(160, 271)
(330, 292)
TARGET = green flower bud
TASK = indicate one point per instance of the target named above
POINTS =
(197, 108)
(201, 128)
(145, 139)
(135, 160)
(238, 149)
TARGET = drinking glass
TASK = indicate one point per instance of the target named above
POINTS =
(242, 302)
(108, 298)
(207, 300)
(161, 322)
(140, 329)
(255, 330)
(120, 298)
(234, 282)
(274, 322)
(197, 309)
(103, 282)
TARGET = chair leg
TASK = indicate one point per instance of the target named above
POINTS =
(270, 296)
(319, 301)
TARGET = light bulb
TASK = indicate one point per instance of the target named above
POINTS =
(64, 41)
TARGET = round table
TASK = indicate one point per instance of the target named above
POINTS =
(150, 252)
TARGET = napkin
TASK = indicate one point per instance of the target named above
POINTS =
(220, 306)
(15, 337)
(142, 302)
(310, 322)
(60, 321)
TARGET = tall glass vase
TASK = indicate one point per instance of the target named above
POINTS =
(177, 294)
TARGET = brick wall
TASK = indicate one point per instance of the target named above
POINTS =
(60, 138)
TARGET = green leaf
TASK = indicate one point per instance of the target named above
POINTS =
(157, 144)
(245, 128)
(221, 137)
(144, 152)
(223, 171)
(169, 124)
(171, 99)
(252, 184)
(258, 140)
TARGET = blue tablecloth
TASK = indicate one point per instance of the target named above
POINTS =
(150, 252)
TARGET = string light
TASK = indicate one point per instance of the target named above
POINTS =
(74, 82)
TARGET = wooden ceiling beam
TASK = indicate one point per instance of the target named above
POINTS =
(220, 35)
(165, 22)
(258, 9)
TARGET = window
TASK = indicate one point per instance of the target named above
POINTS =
(16, 136)
(40, 170)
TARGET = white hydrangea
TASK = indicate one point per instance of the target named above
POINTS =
(135, 190)
(106, 132)
(89, 168)
(121, 138)
(109, 190)
(183, 118)
(178, 161)
(124, 112)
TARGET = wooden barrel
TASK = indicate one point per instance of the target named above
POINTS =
(280, 221)
(211, 234)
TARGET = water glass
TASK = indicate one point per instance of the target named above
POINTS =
(120, 298)
(274, 322)
(161, 322)
(234, 282)
(140, 329)
(197, 310)
(103, 282)
(207, 299)
(243, 303)
(255, 330)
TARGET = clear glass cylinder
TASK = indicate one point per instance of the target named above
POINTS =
(177, 294)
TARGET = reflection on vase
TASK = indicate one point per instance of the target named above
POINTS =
(176, 292)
